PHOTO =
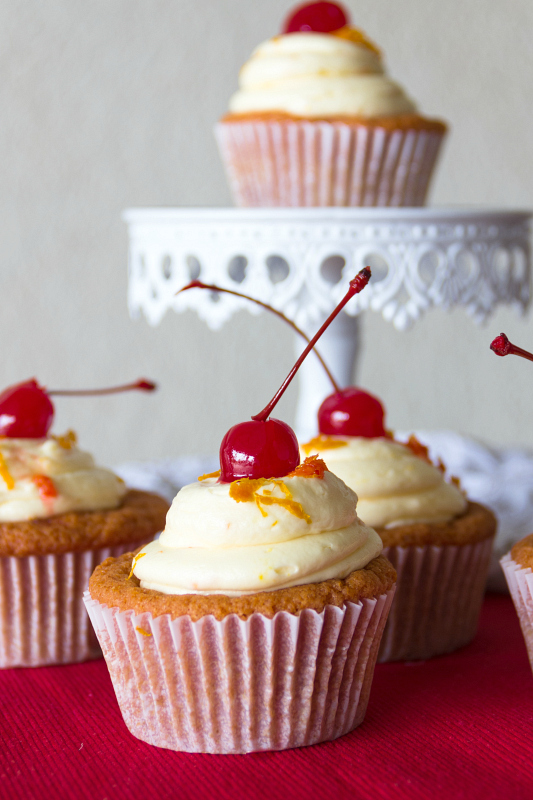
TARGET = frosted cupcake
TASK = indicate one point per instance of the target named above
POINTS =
(317, 121)
(60, 516)
(438, 541)
(517, 565)
(254, 622)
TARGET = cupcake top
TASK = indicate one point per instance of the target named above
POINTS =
(317, 75)
(396, 483)
(259, 535)
(49, 476)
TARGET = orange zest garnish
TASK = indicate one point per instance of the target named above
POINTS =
(357, 37)
(312, 467)
(421, 451)
(5, 474)
(247, 490)
(67, 441)
(142, 631)
(46, 487)
(134, 563)
(417, 448)
(322, 442)
(209, 475)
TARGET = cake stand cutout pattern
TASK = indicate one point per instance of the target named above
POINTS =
(301, 260)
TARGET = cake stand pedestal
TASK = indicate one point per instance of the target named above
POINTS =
(301, 260)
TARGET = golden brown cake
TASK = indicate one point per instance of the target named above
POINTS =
(114, 584)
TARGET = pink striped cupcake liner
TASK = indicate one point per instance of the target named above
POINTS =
(520, 582)
(319, 163)
(235, 686)
(42, 616)
(438, 599)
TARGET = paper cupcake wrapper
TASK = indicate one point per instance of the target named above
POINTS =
(306, 163)
(520, 582)
(438, 599)
(42, 615)
(240, 686)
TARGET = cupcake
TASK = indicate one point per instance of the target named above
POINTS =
(518, 563)
(439, 543)
(254, 621)
(316, 121)
(517, 568)
(60, 516)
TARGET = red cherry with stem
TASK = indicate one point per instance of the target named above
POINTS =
(321, 17)
(503, 347)
(352, 412)
(254, 449)
(26, 411)
(346, 412)
(268, 448)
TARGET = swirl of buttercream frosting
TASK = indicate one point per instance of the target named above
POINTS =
(44, 477)
(289, 531)
(314, 75)
(394, 485)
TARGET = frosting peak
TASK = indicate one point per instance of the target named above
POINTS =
(318, 75)
(45, 477)
(396, 483)
(216, 543)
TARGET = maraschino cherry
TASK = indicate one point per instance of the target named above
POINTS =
(503, 347)
(26, 411)
(321, 17)
(346, 412)
(264, 447)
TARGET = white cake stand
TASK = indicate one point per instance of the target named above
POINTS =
(300, 261)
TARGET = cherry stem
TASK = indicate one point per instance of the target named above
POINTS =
(356, 285)
(503, 347)
(294, 326)
(142, 384)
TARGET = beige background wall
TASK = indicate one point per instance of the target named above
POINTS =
(110, 103)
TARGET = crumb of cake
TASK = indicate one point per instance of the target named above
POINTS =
(476, 524)
(109, 585)
(138, 518)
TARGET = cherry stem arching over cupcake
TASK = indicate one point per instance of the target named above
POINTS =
(265, 447)
(26, 411)
(345, 412)
(503, 347)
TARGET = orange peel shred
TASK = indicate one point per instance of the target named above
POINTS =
(209, 475)
(5, 474)
(322, 442)
(134, 563)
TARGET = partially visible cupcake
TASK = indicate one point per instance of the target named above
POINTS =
(60, 516)
(253, 622)
(438, 541)
(518, 570)
(318, 122)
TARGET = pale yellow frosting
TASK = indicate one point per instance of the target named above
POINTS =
(394, 486)
(78, 483)
(315, 75)
(214, 545)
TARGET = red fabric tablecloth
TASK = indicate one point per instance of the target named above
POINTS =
(459, 726)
